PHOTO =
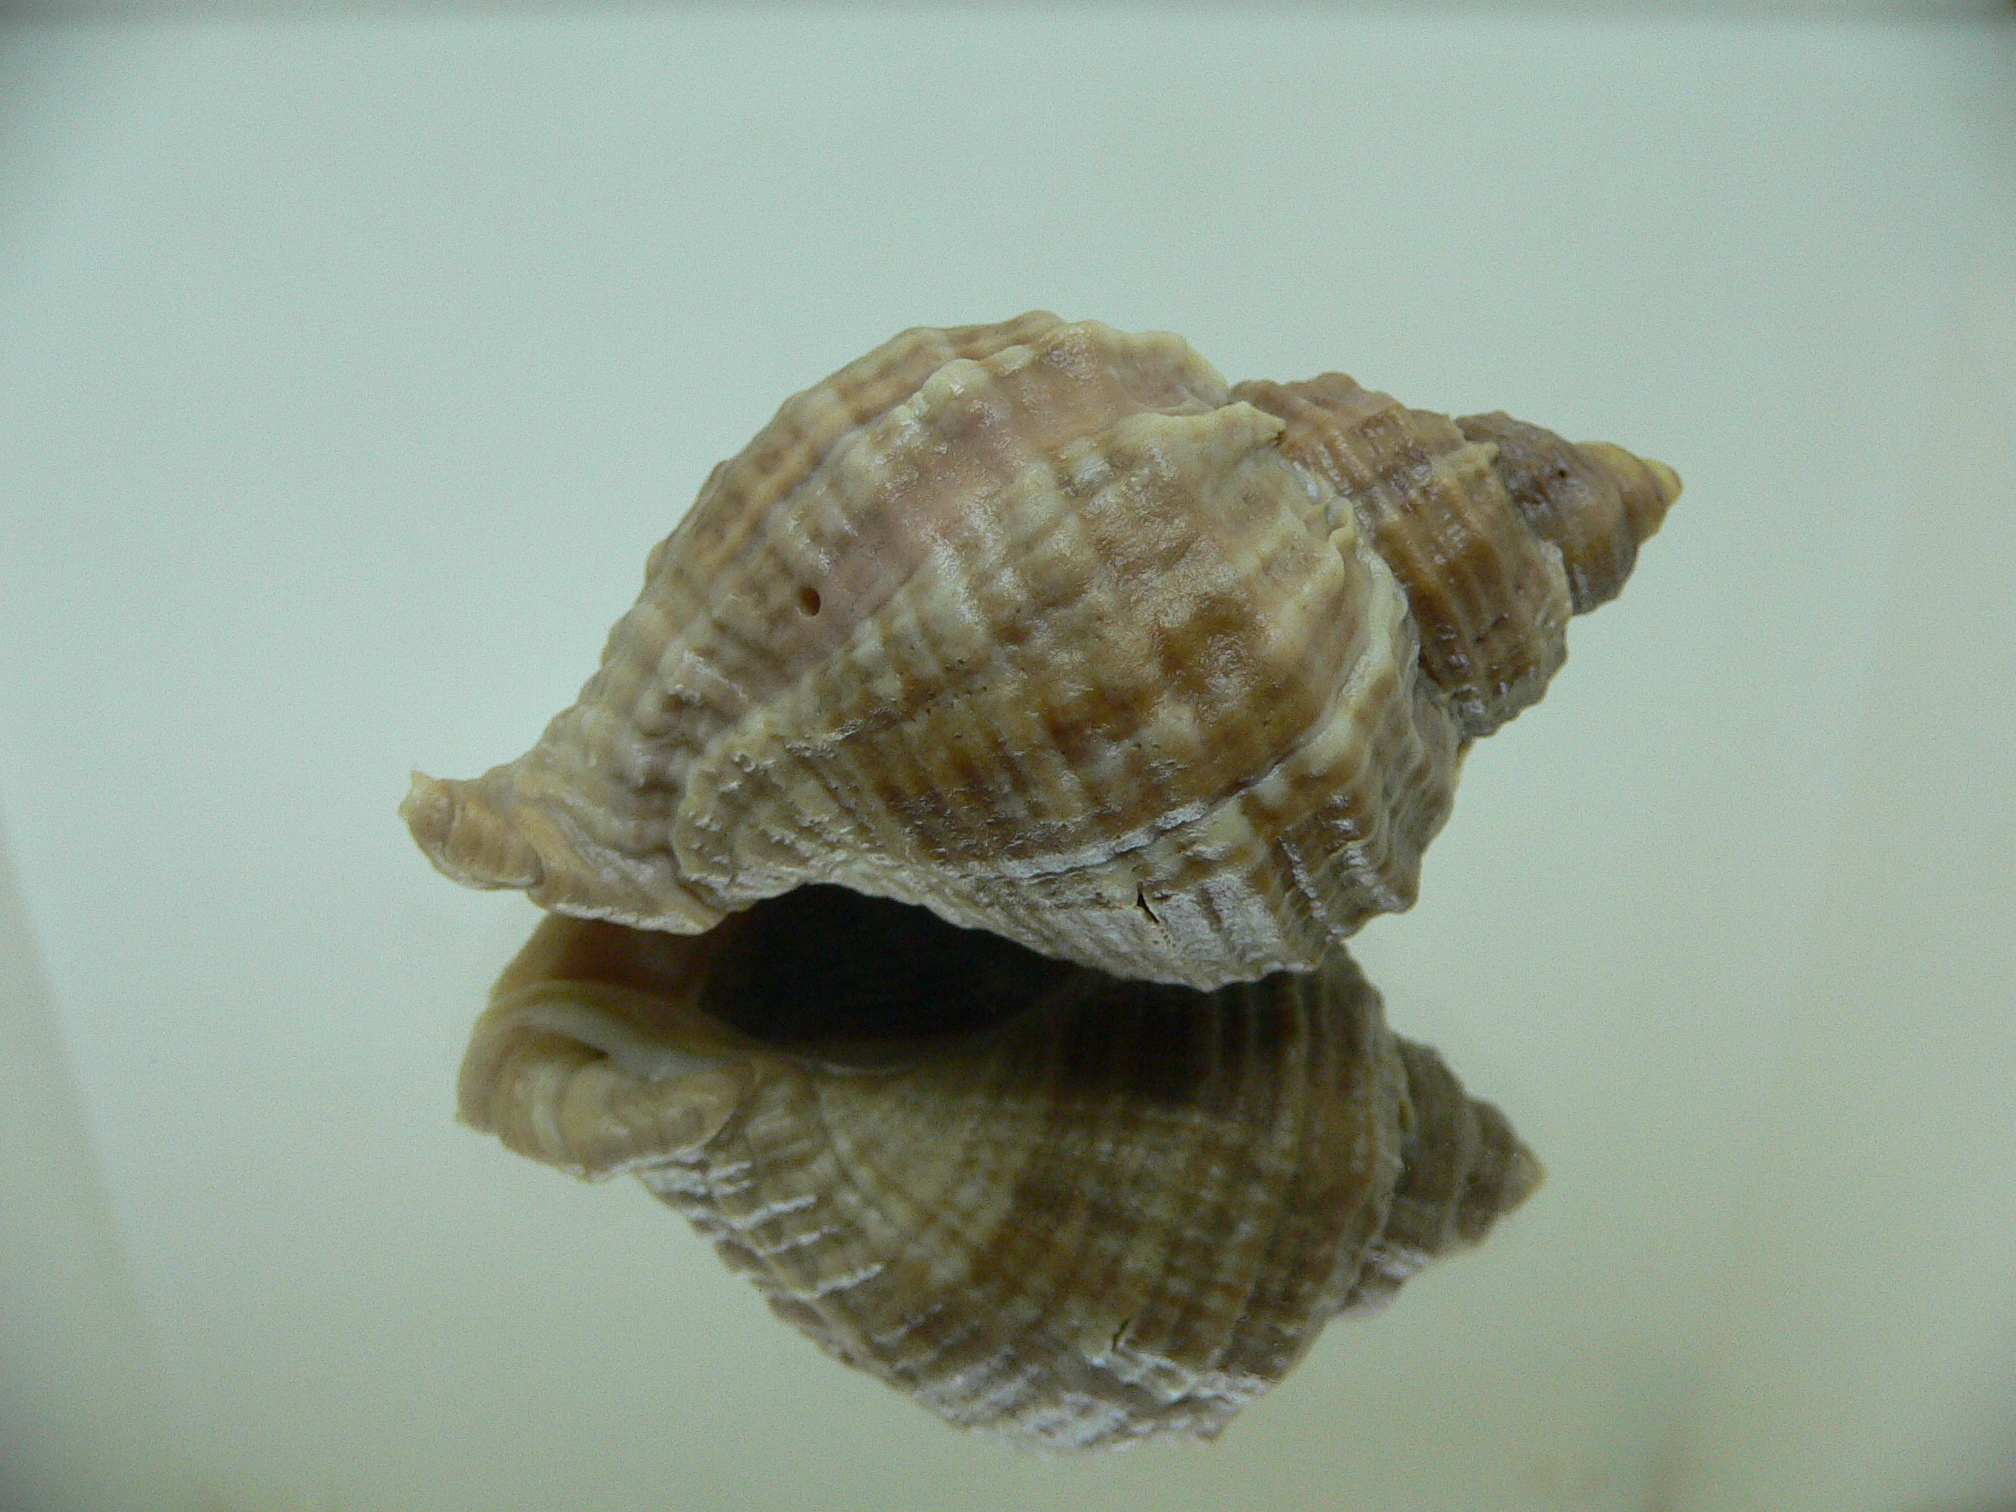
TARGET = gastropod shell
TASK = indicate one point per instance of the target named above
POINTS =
(1043, 627)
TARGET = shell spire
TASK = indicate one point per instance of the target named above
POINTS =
(1043, 628)
(1074, 1213)
(1498, 530)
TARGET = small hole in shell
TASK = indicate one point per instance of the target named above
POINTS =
(808, 600)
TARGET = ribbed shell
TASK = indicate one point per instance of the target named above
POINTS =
(1039, 626)
(1113, 1212)
(1497, 529)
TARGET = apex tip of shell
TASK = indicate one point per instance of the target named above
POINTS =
(1669, 480)
(1646, 486)
(1524, 1175)
(1505, 1175)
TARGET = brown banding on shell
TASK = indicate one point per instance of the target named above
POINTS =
(1095, 1213)
(1143, 673)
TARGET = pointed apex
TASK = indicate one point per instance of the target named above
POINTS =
(1669, 481)
(1504, 1175)
(1596, 502)
(1646, 488)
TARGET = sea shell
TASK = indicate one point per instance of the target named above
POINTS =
(1095, 1212)
(1041, 626)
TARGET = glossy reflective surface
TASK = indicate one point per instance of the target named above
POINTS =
(343, 362)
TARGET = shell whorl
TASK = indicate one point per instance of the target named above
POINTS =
(1498, 530)
(1042, 627)
(1096, 1212)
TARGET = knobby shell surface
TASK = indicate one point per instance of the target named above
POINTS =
(1043, 627)
(1066, 1210)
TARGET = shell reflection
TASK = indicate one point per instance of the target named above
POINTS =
(1068, 1210)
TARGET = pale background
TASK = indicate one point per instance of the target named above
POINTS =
(350, 362)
